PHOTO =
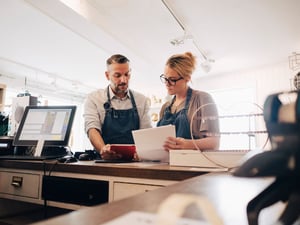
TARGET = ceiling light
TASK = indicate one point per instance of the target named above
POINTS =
(206, 66)
(180, 40)
(176, 42)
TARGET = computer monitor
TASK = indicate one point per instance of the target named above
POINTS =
(45, 126)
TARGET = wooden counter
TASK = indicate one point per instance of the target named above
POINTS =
(123, 179)
(228, 194)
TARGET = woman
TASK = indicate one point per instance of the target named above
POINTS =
(188, 104)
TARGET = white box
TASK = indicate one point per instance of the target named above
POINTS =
(208, 159)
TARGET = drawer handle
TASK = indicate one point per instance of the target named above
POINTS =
(17, 181)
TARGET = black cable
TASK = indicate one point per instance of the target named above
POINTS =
(45, 174)
(45, 200)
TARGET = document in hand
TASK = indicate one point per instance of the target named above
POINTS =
(149, 142)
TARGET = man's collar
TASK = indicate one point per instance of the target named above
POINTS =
(113, 96)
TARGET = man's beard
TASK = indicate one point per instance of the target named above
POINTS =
(119, 90)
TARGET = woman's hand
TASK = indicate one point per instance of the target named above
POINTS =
(174, 143)
(106, 153)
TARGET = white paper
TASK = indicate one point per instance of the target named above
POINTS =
(149, 142)
(142, 218)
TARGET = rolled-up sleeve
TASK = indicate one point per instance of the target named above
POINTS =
(94, 111)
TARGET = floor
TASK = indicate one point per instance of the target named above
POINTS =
(21, 213)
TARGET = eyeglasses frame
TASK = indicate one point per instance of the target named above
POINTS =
(170, 82)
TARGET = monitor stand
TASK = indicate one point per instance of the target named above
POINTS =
(39, 148)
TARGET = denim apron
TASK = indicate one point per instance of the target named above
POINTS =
(179, 119)
(118, 124)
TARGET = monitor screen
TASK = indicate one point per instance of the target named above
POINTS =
(51, 124)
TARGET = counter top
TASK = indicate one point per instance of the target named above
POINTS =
(134, 170)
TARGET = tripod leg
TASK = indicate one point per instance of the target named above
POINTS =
(292, 210)
(275, 192)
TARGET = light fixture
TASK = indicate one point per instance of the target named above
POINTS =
(176, 41)
(206, 64)
(180, 40)
(296, 81)
(294, 61)
(294, 64)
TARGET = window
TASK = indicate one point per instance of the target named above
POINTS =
(241, 119)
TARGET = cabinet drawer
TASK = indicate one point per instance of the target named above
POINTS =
(123, 190)
(20, 184)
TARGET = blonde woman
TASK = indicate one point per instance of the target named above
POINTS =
(186, 104)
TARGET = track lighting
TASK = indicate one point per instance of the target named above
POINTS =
(180, 40)
(206, 64)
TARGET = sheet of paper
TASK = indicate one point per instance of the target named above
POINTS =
(142, 218)
(149, 142)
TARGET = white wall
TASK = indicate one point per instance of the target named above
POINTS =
(265, 80)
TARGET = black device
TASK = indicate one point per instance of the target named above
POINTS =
(282, 118)
(67, 159)
(87, 155)
(75, 190)
(3, 124)
(6, 145)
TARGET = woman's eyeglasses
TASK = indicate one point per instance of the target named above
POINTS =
(170, 81)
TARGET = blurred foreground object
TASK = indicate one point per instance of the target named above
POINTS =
(282, 118)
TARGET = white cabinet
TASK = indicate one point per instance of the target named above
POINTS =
(20, 184)
(123, 190)
(27, 186)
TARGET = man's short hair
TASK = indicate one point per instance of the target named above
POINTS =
(117, 58)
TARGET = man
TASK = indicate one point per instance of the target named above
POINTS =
(111, 114)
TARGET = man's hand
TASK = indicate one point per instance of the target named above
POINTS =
(106, 153)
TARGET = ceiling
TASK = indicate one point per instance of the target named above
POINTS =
(65, 43)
